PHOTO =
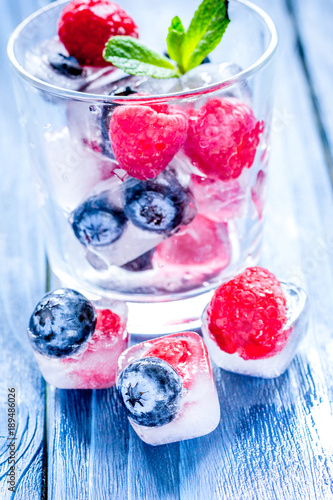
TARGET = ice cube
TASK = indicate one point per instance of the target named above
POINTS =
(210, 73)
(177, 372)
(94, 365)
(118, 225)
(258, 193)
(74, 170)
(202, 248)
(270, 366)
(43, 62)
(219, 200)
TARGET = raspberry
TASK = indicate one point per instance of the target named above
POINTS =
(222, 138)
(186, 356)
(247, 315)
(201, 243)
(144, 140)
(107, 326)
(86, 25)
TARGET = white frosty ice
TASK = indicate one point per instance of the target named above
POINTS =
(200, 409)
(210, 73)
(274, 366)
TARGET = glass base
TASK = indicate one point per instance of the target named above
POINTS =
(153, 318)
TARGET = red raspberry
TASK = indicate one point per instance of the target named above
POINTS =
(222, 138)
(144, 140)
(186, 356)
(107, 326)
(202, 243)
(86, 25)
(247, 315)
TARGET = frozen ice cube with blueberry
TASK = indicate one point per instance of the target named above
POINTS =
(49, 61)
(77, 342)
(254, 323)
(149, 212)
(167, 388)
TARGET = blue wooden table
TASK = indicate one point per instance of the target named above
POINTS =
(275, 438)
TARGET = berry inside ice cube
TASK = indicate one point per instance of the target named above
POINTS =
(183, 353)
(151, 391)
(222, 139)
(62, 322)
(202, 243)
(97, 222)
(248, 314)
(86, 25)
(144, 140)
(158, 206)
(65, 65)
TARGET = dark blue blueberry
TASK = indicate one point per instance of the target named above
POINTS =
(96, 222)
(154, 205)
(65, 65)
(61, 323)
(151, 391)
(142, 263)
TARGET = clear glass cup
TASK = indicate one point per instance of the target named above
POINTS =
(164, 244)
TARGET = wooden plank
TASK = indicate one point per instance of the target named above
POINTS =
(22, 280)
(271, 442)
(314, 22)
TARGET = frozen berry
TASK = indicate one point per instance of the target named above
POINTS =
(185, 355)
(86, 25)
(223, 136)
(107, 326)
(65, 65)
(201, 243)
(151, 391)
(62, 322)
(157, 206)
(247, 315)
(97, 223)
(144, 140)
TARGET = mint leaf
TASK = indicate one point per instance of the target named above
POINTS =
(205, 31)
(175, 40)
(136, 58)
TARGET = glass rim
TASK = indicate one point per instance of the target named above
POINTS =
(84, 96)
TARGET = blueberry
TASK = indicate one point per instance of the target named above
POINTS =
(96, 222)
(61, 323)
(154, 205)
(151, 391)
(65, 65)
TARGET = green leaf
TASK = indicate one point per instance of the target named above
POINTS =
(205, 31)
(175, 39)
(136, 58)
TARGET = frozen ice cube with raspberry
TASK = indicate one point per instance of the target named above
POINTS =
(167, 388)
(254, 323)
(116, 226)
(203, 248)
(77, 342)
(223, 136)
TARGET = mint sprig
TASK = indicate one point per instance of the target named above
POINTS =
(186, 48)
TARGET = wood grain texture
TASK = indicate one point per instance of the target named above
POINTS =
(22, 279)
(274, 440)
(314, 22)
